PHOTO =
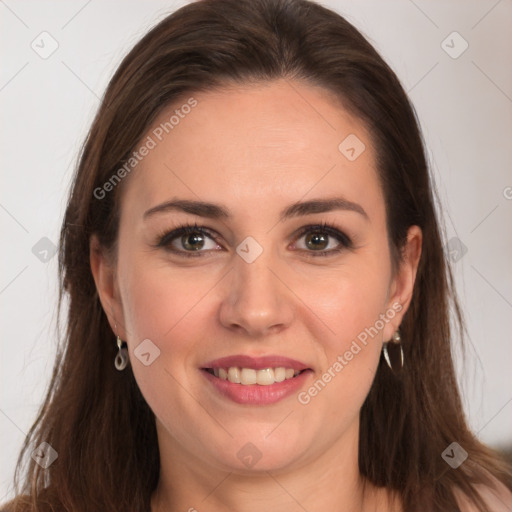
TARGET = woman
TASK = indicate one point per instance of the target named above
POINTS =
(258, 297)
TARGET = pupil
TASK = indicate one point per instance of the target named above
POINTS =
(315, 239)
(189, 241)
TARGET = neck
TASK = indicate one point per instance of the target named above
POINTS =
(330, 481)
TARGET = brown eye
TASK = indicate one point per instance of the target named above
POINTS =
(322, 240)
(317, 241)
(193, 241)
(188, 241)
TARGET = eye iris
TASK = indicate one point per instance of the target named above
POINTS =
(319, 240)
(191, 240)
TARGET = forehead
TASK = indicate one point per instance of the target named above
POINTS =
(282, 140)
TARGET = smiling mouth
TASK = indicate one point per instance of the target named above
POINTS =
(251, 376)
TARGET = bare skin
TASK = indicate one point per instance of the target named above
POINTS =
(255, 150)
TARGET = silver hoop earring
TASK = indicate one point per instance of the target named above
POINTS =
(121, 360)
(397, 340)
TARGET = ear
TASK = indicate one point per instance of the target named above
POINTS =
(402, 283)
(103, 271)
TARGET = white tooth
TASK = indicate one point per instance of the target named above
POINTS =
(279, 374)
(248, 376)
(234, 374)
(216, 372)
(265, 377)
(289, 373)
(223, 374)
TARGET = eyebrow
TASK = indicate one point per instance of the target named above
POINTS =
(216, 211)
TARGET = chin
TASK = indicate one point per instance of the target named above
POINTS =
(255, 453)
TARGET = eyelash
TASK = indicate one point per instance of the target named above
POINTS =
(166, 237)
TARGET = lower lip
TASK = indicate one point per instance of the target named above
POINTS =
(256, 394)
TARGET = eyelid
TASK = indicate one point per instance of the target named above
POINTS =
(167, 236)
(328, 228)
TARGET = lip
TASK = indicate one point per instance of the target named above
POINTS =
(255, 394)
(257, 363)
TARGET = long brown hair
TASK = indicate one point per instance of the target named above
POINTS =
(96, 418)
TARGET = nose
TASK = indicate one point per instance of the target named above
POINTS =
(258, 301)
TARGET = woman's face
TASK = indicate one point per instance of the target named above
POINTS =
(260, 284)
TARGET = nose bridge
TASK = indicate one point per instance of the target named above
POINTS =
(257, 301)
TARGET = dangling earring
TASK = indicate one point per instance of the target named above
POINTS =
(121, 360)
(396, 338)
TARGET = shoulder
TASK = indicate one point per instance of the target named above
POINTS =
(498, 498)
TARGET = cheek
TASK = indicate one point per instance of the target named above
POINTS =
(351, 305)
(346, 302)
(162, 306)
(351, 352)
(157, 299)
(172, 308)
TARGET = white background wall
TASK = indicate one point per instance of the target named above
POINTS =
(464, 104)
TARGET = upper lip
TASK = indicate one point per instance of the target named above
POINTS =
(257, 363)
